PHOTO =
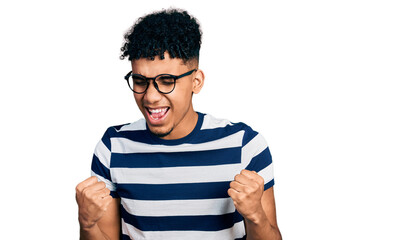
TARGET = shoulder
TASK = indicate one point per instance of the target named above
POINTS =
(139, 125)
(211, 123)
(124, 129)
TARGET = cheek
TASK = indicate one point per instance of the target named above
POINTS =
(182, 97)
(184, 92)
(180, 103)
(138, 100)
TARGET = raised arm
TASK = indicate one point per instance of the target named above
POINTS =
(255, 205)
(99, 215)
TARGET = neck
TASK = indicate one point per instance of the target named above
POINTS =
(186, 125)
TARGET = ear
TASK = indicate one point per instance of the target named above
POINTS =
(198, 81)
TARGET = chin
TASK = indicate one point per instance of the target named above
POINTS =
(161, 133)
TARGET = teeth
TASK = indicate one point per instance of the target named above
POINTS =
(156, 110)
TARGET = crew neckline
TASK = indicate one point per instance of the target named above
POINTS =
(179, 140)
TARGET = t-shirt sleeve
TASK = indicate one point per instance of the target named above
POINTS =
(101, 163)
(256, 151)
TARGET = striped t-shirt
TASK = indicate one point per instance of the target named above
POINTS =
(177, 189)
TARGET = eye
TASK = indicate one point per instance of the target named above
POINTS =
(139, 81)
(166, 80)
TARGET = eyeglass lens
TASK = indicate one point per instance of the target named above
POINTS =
(165, 83)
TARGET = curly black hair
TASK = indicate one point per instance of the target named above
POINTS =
(172, 30)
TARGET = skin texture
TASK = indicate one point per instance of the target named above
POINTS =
(99, 214)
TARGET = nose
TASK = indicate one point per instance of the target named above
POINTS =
(152, 95)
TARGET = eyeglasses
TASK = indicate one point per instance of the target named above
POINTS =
(164, 83)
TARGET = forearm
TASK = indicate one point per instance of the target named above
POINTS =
(259, 228)
(92, 233)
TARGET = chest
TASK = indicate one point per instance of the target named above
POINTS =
(178, 175)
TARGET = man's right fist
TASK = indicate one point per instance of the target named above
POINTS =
(93, 198)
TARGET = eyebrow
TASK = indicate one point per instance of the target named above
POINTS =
(137, 74)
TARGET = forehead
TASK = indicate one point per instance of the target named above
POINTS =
(151, 68)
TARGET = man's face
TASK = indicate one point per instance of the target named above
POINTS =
(169, 116)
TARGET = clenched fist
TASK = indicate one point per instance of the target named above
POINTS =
(93, 198)
(246, 191)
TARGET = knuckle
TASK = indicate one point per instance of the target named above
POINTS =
(245, 172)
(249, 190)
(109, 199)
(77, 188)
(95, 197)
(101, 184)
(87, 193)
(99, 204)
(244, 188)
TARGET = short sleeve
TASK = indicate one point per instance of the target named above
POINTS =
(259, 157)
(101, 163)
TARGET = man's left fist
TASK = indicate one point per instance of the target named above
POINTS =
(246, 191)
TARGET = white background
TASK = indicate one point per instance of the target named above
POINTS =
(323, 81)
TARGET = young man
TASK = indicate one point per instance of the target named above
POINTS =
(178, 173)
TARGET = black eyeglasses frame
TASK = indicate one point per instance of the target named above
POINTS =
(130, 74)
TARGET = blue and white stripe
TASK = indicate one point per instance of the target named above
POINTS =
(177, 189)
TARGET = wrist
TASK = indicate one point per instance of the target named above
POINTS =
(87, 228)
(86, 225)
(257, 218)
(88, 233)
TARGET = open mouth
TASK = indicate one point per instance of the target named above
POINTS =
(157, 114)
